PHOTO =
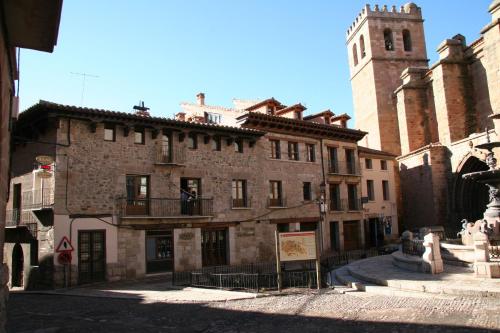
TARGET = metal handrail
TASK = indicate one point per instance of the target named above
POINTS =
(170, 155)
(37, 199)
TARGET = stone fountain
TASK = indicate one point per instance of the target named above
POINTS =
(490, 224)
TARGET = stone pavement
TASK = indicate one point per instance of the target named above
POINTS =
(455, 280)
(152, 289)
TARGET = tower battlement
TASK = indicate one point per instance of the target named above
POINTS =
(410, 11)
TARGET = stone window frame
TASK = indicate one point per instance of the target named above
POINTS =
(192, 141)
(337, 204)
(139, 140)
(307, 191)
(216, 143)
(407, 45)
(383, 165)
(238, 146)
(355, 54)
(276, 193)
(385, 190)
(362, 48)
(311, 152)
(388, 40)
(368, 163)
(275, 149)
(370, 189)
(112, 128)
(293, 151)
(241, 185)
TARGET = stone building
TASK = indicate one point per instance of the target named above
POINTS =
(431, 117)
(25, 24)
(135, 194)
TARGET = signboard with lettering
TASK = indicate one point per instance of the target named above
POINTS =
(297, 246)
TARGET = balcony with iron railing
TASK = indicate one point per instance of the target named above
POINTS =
(276, 202)
(243, 203)
(37, 199)
(342, 167)
(345, 205)
(19, 218)
(165, 207)
(170, 155)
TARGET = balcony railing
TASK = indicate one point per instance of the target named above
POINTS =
(344, 205)
(341, 167)
(19, 218)
(166, 207)
(277, 202)
(241, 203)
(37, 199)
(170, 155)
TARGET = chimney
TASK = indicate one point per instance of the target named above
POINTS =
(141, 110)
(200, 98)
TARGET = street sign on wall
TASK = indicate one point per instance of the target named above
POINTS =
(297, 246)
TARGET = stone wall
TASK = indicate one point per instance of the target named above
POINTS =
(187, 251)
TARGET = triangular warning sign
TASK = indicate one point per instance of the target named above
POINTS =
(64, 245)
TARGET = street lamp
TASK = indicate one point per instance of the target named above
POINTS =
(322, 212)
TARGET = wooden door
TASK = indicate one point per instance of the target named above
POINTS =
(91, 256)
(214, 247)
(351, 235)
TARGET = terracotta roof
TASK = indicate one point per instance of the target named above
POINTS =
(341, 116)
(44, 108)
(370, 151)
(284, 125)
(319, 114)
(265, 102)
(294, 107)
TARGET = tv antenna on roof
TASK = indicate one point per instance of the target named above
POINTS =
(84, 78)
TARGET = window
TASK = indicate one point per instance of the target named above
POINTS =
(306, 190)
(352, 197)
(275, 194)
(385, 189)
(383, 165)
(239, 193)
(109, 132)
(368, 163)
(293, 151)
(370, 190)
(362, 46)
(283, 227)
(298, 115)
(355, 54)
(333, 162)
(275, 149)
(406, 40)
(350, 161)
(270, 110)
(213, 118)
(216, 144)
(166, 149)
(335, 197)
(388, 42)
(192, 141)
(311, 156)
(137, 188)
(139, 136)
(238, 146)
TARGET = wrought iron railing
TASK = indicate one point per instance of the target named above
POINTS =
(277, 202)
(166, 207)
(344, 205)
(37, 199)
(170, 155)
(19, 218)
(414, 247)
(343, 167)
(241, 203)
(263, 276)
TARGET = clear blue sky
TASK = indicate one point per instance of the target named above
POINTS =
(164, 52)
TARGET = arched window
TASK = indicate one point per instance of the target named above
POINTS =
(406, 40)
(355, 54)
(362, 46)
(388, 42)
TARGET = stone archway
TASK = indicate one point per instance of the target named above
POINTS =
(470, 197)
(17, 266)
